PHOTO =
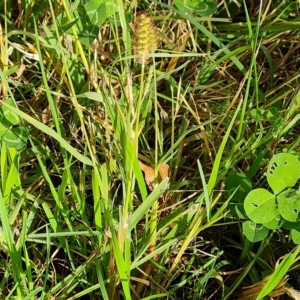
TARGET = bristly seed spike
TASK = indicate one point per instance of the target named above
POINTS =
(145, 42)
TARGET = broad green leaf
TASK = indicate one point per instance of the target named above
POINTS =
(186, 6)
(206, 8)
(240, 182)
(111, 7)
(7, 117)
(295, 236)
(200, 7)
(87, 31)
(260, 206)
(16, 138)
(290, 225)
(276, 223)
(3, 130)
(255, 232)
(283, 171)
(88, 34)
(261, 114)
(289, 205)
(64, 26)
(96, 12)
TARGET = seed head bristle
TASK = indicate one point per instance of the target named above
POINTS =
(145, 38)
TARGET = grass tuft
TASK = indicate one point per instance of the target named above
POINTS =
(130, 135)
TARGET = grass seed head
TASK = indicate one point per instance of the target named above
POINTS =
(145, 38)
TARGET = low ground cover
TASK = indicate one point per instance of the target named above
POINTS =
(149, 150)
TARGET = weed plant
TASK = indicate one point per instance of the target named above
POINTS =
(121, 125)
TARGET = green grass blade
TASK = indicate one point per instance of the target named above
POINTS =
(15, 258)
(214, 174)
(138, 214)
(279, 273)
(51, 133)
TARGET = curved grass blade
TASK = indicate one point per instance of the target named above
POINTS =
(51, 133)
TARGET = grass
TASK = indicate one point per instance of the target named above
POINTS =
(114, 165)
